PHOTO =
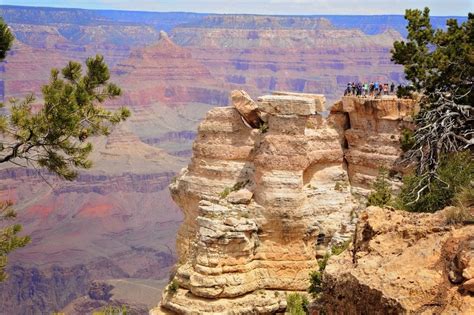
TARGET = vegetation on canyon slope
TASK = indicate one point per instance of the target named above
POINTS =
(454, 175)
(54, 136)
(440, 64)
(382, 191)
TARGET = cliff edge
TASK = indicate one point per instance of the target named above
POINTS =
(268, 189)
(403, 263)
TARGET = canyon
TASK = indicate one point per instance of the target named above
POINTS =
(117, 222)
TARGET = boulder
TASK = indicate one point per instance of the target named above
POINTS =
(242, 196)
(469, 285)
(246, 107)
(287, 105)
(319, 99)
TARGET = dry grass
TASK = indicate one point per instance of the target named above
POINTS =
(456, 215)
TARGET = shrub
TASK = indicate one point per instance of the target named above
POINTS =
(338, 186)
(263, 128)
(310, 124)
(339, 248)
(323, 262)
(406, 140)
(382, 193)
(236, 187)
(465, 197)
(173, 287)
(225, 193)
(315, 283)
(464, 205)
(456, 215)
(405, 91)
(296, 304)
(454, 172)
(240, 185)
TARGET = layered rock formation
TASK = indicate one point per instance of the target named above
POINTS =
(374, 135)
(258, 201)
(254, 203)
(403, 263)
(167, 73)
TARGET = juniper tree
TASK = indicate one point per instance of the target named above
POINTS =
(55, 137)
(440, 65)
(6, 39)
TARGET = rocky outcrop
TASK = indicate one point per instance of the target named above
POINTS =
(262, 204)
(373, 138)
(255, 201)
(403, 263)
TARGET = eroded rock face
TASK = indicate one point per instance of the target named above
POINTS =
(403, 263)
(374, 135)
(254, 204)
(261, 204)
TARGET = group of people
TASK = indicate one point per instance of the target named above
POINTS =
(369, 89)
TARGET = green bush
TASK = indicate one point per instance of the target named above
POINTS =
(296, 304)
(223, 194)
(406, 140)
(263, 128)
(315, 283)
(323, 262)
(405, 91)
(173, 287)
(465, 197)
(457, 215)
(462, 211)
(237, 186)
(338, 249)
(382, 192)
(455, 171)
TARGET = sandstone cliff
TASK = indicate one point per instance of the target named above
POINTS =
(260, 202)
(403, 263)
(374, 135)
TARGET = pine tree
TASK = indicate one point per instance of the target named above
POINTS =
(6, 39)
(440, 65)
(54, 137)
